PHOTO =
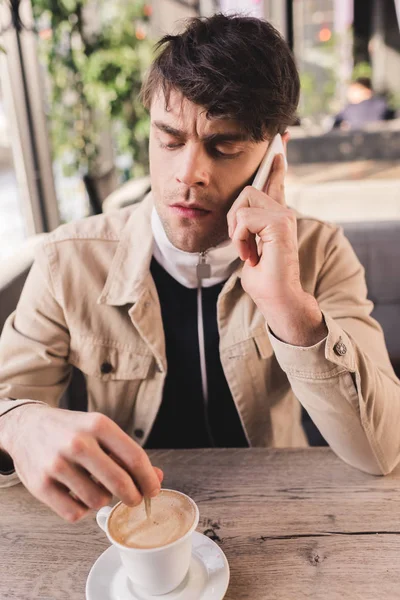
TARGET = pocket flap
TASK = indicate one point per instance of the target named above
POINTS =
(110, 363)
(240, 349)
(258, 343)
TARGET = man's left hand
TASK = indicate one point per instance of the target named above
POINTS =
(271, 273)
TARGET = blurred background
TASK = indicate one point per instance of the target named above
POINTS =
(73, 135)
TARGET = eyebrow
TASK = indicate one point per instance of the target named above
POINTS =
(216, 138)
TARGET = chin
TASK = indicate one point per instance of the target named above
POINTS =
(192, 237)
(188, 244)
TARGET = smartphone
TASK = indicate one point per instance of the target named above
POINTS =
(275, 147)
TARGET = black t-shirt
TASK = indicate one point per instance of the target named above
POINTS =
(182, 419)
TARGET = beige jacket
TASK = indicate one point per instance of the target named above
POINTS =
(90, 299)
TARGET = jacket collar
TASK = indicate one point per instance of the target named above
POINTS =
(129, 272)
(130, 266)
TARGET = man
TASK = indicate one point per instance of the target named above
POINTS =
(363, 107)
(206, 313)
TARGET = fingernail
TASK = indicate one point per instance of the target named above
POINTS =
(155, 493)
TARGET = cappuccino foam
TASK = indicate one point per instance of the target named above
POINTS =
(172, 516)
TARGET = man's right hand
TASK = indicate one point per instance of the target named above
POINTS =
(75, 461)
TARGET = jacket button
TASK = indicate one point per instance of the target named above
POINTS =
(340, 348)
(139, 433)
(106, 367)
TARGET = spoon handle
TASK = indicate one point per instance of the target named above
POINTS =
(147, 506)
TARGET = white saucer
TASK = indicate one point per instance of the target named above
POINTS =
(207, 578)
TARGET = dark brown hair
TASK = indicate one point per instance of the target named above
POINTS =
(236, 67)
(364, 81)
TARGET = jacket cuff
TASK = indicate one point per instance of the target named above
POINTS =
(329, 357)
(7, 404)
(8, 476)
(6, 463)
(9, 480)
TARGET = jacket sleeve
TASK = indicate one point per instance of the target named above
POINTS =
(34, 344)
(346, 382)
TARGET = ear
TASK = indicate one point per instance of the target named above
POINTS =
(285, 139)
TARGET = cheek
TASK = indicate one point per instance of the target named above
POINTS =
(154, 154)
(159, 167)
(235, 179)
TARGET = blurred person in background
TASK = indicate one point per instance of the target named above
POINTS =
(364, 106)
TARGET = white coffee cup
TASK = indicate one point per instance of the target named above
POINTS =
(156, 570)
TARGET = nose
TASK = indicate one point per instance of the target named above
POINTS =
(194, 166)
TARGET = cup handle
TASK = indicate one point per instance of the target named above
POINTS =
(102, 515)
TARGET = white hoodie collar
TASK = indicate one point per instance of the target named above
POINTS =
(182, 266)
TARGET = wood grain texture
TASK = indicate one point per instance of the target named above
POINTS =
(294, 524)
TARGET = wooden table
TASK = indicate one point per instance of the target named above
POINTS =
(294, 524)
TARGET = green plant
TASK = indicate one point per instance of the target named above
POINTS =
(317, 95)
(319, 81)
(361, 69)
(393, 99)
(95, 72)
(324, 72)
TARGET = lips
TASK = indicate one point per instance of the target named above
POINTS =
(190, 211)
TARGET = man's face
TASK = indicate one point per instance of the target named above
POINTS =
(358, 93)
(198, 168)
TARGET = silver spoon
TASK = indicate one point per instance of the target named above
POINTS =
(147, 506)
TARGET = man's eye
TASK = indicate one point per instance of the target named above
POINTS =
(169, 146)
(219, 154)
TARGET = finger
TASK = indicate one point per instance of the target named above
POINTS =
(159, 474)
(82, 486)
(240, 240)
(276, 182)
(269, 225)
(249, 196)
(246, 244)
(157, 471)
(254, 257)
(112, 476)
(131, 456)
(256, 221)
(244, 238)
(56, 497)
(231, 218)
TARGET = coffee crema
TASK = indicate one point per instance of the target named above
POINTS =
(172, 516)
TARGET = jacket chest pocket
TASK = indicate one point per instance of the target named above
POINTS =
(113, 377)
(251, 367)
(256, 347)
(110, 363)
